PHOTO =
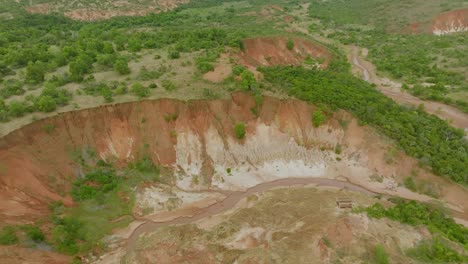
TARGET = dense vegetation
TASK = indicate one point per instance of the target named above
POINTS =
(105, 200)
(49, 43)
(429, 139)
(436, 251)
(432, 67)
(413, 213)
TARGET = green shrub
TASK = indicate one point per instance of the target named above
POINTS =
(239, 130)
(8, 236)
(238, 70)
(144, 165)
(48, 128)
(436, 251)
(46, 104)
(338, 149)
(318, 118)
(35, 233)
(67, 236)
(106, 59)
(414, 213)
(139, 90)
(35, 72)
(174, 54)
(290, 44)
(121, 66)
(121, 89)
(146, 74)
(204, 66)
(11, 87)
(380, 255)
(18, 109)
(107, 95)
(210, 94)
(100, 180)
(410, 184)
(248, 81)
(168, 85)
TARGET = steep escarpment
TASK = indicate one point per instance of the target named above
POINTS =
(269, 51)
(85, 11)
(450, 22)
(196, 142)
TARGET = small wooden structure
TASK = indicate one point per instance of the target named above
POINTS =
(344, 202)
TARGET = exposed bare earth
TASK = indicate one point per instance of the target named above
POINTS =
(37, 165)
(200, 143)
(252, 233)
(444, 23)
(450, 22)
(17, 255)
(80, 10)
(270, 51)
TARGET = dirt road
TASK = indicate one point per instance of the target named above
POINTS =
(392, 89)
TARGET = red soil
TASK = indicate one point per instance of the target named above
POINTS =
(36, 165)
(119, 8)
(268, 51)
(452, 21)
(32, 161)
(413, 28)
(288, 19)
(17, 255)
(39, 9)
(86, 14)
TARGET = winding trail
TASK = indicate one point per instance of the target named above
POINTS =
(233, 197)
(456, 117)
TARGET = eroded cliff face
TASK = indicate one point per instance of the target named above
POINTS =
(450, 22)
(195, 140)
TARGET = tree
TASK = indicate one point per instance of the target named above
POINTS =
(248, 81)
(121, 66)
(46, 104)
(35, 72)
(79, 67)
